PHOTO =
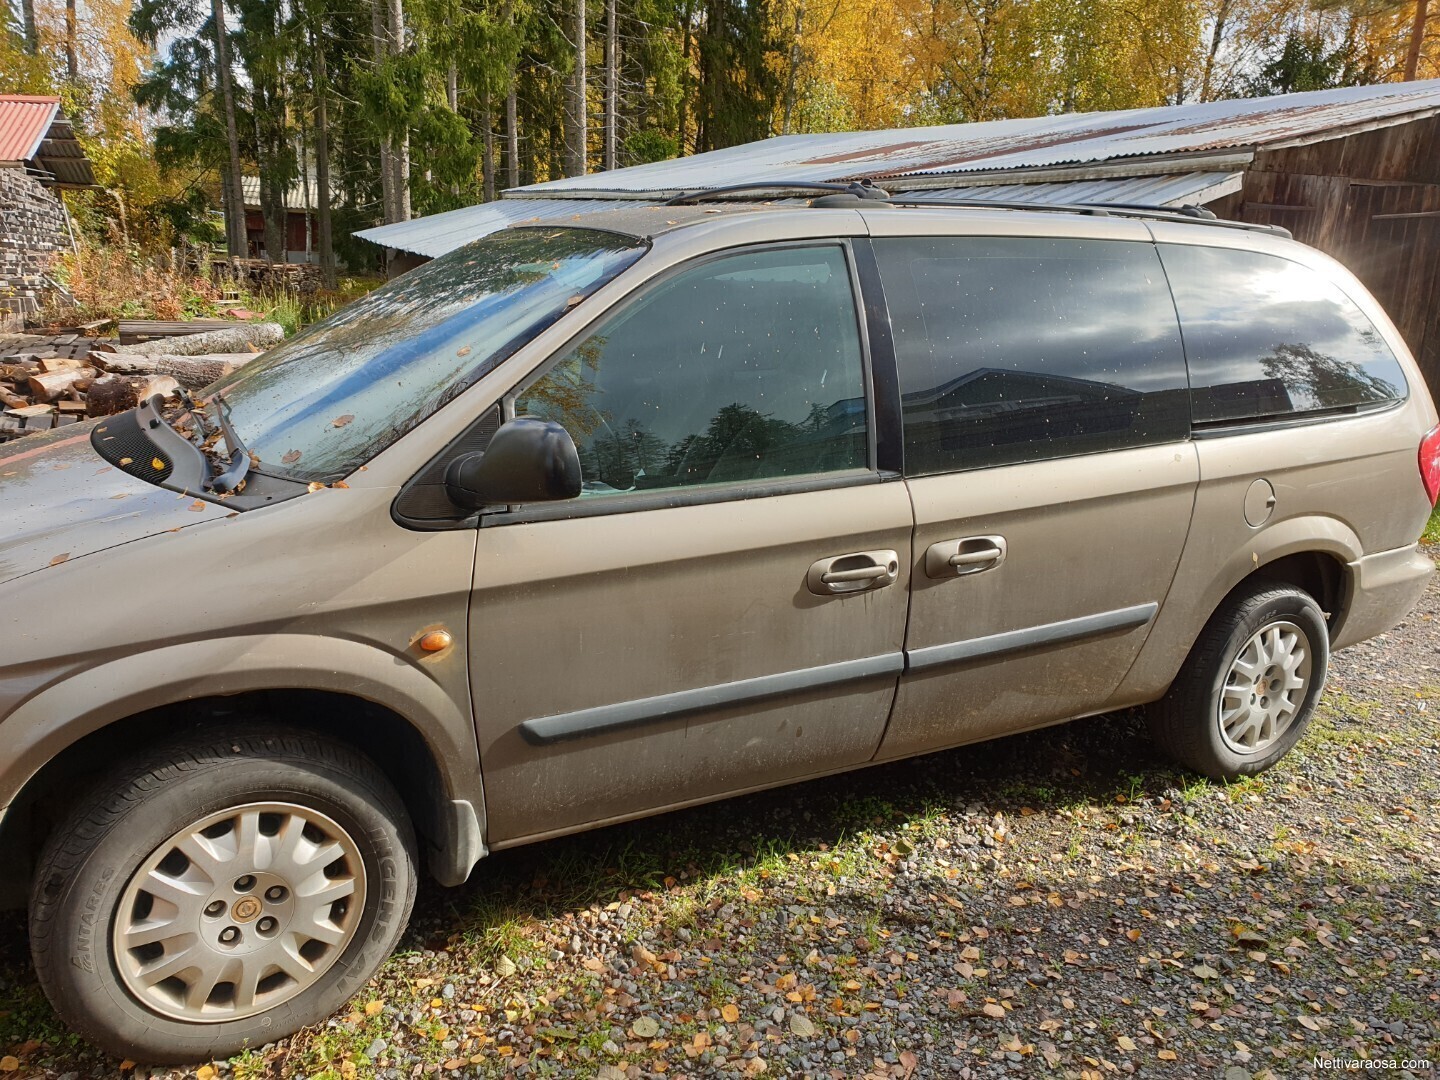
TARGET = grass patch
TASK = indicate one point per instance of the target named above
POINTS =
(1431, 535)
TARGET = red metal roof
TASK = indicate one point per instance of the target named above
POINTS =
(24, 120)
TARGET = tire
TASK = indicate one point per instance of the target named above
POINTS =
(1222, 736)
(292, 801)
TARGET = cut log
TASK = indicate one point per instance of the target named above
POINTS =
(48, 385)
(60, 363)
(193, 372)
(232, 339)
(17, 372)
(11, 400)
(31, 410)
(111, 394)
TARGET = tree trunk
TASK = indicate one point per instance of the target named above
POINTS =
(325, 237)
(111, 394)
(228, 339)
(612, 84)
(512, 136)
(452, 87)
(577, 136)
(272, 206)
(193, 372)
(72, 34)
(400, 161)
(487, 155)
(1217, 36)
(1417, 40)
(687, 15)
(387, 170)
(235, 235)
(794, 68)
(27, 18)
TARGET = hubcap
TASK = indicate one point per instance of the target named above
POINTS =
(1265, 688)
(239, 912)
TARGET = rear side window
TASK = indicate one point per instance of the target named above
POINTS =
(1268, 338)
(742, 368)
(1020, 349)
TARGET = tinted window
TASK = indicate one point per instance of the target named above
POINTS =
(339, 392)
(743, 368)
(1265, 336)
(1015, 349)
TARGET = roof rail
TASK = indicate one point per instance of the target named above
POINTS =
(1190, 214)
(864, 189)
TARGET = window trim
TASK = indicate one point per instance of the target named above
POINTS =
(732, 491)
(1219, 429)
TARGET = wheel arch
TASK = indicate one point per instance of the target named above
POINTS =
(1312, 552)
(399, 715)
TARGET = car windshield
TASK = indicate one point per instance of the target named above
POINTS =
(332, 397)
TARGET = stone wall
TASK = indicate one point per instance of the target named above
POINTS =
(32, 230)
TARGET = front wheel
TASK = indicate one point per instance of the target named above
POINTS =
(220, 894)
(1249, 686)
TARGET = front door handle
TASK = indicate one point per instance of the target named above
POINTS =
(857, 572)
(971, 555)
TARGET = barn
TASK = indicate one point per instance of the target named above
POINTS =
(1354, 172)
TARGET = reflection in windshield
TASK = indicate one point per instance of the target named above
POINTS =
(332, 397)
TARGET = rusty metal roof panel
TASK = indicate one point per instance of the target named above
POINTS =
(24, 120)
(1072, 139)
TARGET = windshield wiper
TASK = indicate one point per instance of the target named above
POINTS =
(233, 477)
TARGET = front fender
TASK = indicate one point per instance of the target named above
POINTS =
(65, 712)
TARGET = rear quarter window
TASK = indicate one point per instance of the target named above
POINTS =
(1267, 338)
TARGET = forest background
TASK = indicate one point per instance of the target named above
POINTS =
(381, 110)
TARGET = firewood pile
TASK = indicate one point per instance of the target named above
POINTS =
(47, 383)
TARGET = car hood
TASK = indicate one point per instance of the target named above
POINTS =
(59, 500)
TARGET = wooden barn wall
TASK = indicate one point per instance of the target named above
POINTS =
(1343, 197)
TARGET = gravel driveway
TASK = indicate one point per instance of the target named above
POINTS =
(1055, 904)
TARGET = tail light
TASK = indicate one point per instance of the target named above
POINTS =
(1430, 463)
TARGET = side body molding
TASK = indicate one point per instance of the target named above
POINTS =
(85, 702)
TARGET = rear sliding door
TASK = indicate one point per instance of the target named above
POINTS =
(1046, 430)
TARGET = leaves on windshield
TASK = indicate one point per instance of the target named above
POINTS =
(341, 421)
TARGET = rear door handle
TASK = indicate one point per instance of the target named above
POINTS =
(857, 572)
(958, 558)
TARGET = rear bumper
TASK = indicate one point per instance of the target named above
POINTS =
(1384, 588)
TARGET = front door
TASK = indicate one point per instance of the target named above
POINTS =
(724, 606)
(1046, 417)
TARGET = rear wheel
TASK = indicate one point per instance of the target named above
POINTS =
(1249, 686)
(221, 893)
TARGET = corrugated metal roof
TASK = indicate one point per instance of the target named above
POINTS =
(1171, 190)
(295, 199)
(35, 133)
(1039, 142)
(439, 233)
(24, 120)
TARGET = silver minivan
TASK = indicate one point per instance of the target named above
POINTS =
(587, 521)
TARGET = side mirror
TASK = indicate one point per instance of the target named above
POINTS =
(527, 461)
